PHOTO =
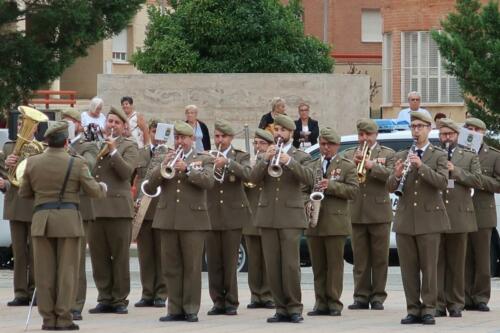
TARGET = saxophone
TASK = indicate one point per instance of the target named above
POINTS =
(314, 204)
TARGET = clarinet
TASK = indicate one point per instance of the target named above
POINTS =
(400, 190)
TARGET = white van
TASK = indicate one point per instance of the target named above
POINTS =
(403, 140)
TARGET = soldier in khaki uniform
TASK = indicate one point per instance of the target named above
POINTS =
(109, 235)
(281, 217)
(19, 212)
(477, 271)
(336, 178)
(420, 219)
(371, 216)
(88, 150)
(154, 286)
(257, 276)
(229, 211)
(54, 180)
(464, 174)
(183, 220)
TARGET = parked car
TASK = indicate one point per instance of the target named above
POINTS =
(400, 140)
(5, 239)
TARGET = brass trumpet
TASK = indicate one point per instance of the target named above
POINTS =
(275, 170)
(105, 147)
(366, 153)
(167, 171)
(219, 173)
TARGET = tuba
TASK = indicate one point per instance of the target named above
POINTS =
(314, 204)
(361, 170)
(26, 147)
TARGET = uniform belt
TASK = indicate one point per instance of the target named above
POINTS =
(56, 205)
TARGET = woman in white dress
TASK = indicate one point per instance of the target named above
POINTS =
(137, 127)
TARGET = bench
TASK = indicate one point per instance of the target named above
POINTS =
(47, 100)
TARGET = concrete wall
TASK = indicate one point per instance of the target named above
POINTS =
(336, 100)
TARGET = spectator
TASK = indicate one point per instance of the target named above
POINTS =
(437, 117)
(278, 106)
(137, 126)
(414, 98)
(201, 135)
(94, 115)
(307, 129)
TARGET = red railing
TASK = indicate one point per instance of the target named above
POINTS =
(47, 100)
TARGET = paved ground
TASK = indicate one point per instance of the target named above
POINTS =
(146, 320)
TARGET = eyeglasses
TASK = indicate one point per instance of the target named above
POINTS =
(414, 99)
(303, 109)
(419, 126)
(256, 143)
(447, 134)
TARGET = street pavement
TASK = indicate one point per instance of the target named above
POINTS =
(146, 319)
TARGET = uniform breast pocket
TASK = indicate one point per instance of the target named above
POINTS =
(294, 203)
(382, 200)
(434, 207)
(263, 203)
(238, 205)
(161, 205)
(198, 207)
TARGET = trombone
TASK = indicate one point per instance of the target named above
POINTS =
(275, 170)
(167, 171)
(361, 170)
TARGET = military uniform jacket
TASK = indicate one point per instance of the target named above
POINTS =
(334, 214)
(458, 202)
(421, 209)
(281, 204)
(43, 181)
(116, 171)
(183, 201)
(227, 202)
(89, 151)
(373, 204)
(15, 208)
(484, 198)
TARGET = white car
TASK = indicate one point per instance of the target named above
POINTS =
(5, 240)
(399, 140)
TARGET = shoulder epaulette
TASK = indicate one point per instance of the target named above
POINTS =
(494, 149)
(346, 160)
(387, 148)
(439, 149)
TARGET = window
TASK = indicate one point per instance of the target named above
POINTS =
(422, 70)
(387, 69)
(120, 45)
(371, 25)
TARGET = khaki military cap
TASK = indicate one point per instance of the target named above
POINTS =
(285, 121)
(417, 115)
(446, 122)
(475, 122)
(264, 135)
(183, 128)
(367, 125)
(72, 113)
(329, 135)
(224, 127)
(57, 127)
(118, 112)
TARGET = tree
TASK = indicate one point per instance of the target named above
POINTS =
(470, 43)
(231, 36)
(57, 32)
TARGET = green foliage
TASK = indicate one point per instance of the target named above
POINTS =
(57, 32)
(470, 42)
(231, 36)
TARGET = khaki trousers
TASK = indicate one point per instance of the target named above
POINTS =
(370, 246)
(81, 288)
(282, 258)
(153, 281)
(182, 253)
(418, 258)
(327, 257)
(478, 270)
(56, 272)
(24, 282)
(109, 244)
(222, 262)
(257, 274)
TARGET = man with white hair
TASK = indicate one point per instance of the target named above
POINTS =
(414, 98)
(94, 114)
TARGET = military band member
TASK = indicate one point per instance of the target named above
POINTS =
(326, 241)
(477, 271)
(420, 219)
(464, 174)
(154, 286)
(257, 275)
(19, 212)
(281, 217)
(183, 220)
(87, 150)
(109, 235)
(229, 211)
(54, 179)
(371, 216)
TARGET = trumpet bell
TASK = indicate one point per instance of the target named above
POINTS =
(167, 171)
(275, 170)
(316, 196)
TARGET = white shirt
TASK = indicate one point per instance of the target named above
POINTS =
(135, 131)
(404, 115)
(88, 119)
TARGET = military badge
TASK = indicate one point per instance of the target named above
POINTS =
(381, 160)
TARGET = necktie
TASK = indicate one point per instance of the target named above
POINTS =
(326, 166)
(420, 152)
